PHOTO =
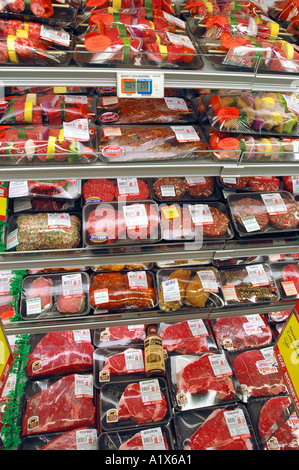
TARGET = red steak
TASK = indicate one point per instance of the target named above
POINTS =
(70, 304)
(178, 337)
(41, 287)
(135, 443)
(124, 334)
(116, 364)
(67, 441)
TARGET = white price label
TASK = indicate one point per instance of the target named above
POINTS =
(127, 186)
(201, 214)
(168, 190)
(80, 99)
(250, 223)
(33, 306)
(197, 328)
(176, 104)
(236, 423)
(84, 386)
(77, 130)
(59, 36)
(137, 279)
(195, 180)
(101, 296)
(150, 392)
(220, 365)
(171, 290)
(258, 275)
(181, 40)
(18, 189)
(274, 204)
(134, 360)
(72, 285)
(135, 216)
(152, 439)
(208, 281)
(185, 134)
(57, 220)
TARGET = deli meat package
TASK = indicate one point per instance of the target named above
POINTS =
(58, 405)
(152, 438)
(219, 428)
(76, 439)
(129, 404)
(258, 373)
(200, 381)
(60, 353)
(125, 335)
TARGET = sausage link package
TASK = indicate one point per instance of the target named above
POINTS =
(250, 183)
(55, 189)
(116, 189)
(122, 291)
(76, 439)
(184, 288)
(251, 113)
(155, 438)
(225, 427)
(130, 404)
(119, 336)
(55, 296)
(190, 188)
(286, 276)
(203, 380)
(128, 143)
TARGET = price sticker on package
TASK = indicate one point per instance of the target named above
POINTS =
(274, 204)
(140, 85)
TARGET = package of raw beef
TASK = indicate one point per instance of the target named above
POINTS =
(242, 332)
(59, 353)
(190, 188)
(189, 287)
(252, 183)
(54, 405)
(153, 438)
(125, 143)
(114, 364)
(115, 336)
(286, 276)
(187, 337)
(226, 427)
(206, 379)
(120, 223)
(76, 439)
(291, 184)
(60, 189)
(263, 213)
(258, 373)
(134, 403)
(55, 296)
(228, 262)
(168, 110)
(265, 413)
(50, 145)
(279, 316)
(125, 291)
(115, 189)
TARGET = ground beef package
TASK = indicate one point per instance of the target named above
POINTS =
(201, 188)
(117, 189)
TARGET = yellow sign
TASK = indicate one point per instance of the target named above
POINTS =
(6, 358)
(287, 353)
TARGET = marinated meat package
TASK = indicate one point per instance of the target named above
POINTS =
(114, 364)
(264, 414)
(121, 223)
(59, 353)
(111, 109)
(225, 427)
(286, 276)
(32, 44)
(249, 284)
(115, 336)
(131, 404)
(263, 213)
(190, 188)
(51, 145)
(122, 267)
(200, 381)
(58, 405)
(242, 332)
(114, 291)
(55, 296)
(61, 189)
(155, 438)
(195, 221)
(76, 439)
(187, 337)
(286, 12)
(250, 183)
(251, 113)
(258, 373)
(129, 143)
(43, 231)
(116, 189)
(184, 288)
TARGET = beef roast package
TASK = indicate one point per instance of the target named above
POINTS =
(190, 188)
(217, 428)
(153, 438)
(200, 381)
(76, 439)
(116, 189)
(126, 335)
(286, 276)
(55, 296)
(130, 404)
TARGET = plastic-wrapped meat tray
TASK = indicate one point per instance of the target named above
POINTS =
(119, 336)
(116, 189)
(250, 183)
(159, 438)
(180, 189)
(286, 276)
(58, 189)
(76, 439)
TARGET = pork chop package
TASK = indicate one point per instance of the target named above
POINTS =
(189, 287)
(137, 143)
(258, 373)
(120, 223)
(76, 439)
(55, 189)
(203, 380)
(59, 353)
(249, 284)
(122, 291)
(114, 364)
(267, 412)
(286, 276)
(190, 188)
(187, 337)
(242, 332)
(218, 428)
(199, 222)
(251, 183)
(153, 438)
(115, 336)
(44, 231)
(263, 213)
(55, 296)
(115, 189)
(131, 404)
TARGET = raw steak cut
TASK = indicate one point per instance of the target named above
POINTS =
(67, 441)
(234, 333)
(178, 337)
(286, 437)
(56, 408)
(257, 376)
(135, 443)
(214, 434)
(131, 406)
(198, 377)
(70, 304)
(125, 334)
(116, 364)
(58, 353)
(41, 287)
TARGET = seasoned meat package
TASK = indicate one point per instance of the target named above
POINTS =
(118, 189)
(165, 5)
(168, 188)
(152, 142)
(252, 183)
